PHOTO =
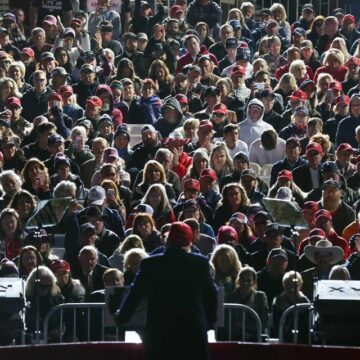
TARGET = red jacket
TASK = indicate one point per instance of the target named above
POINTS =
(338, 75)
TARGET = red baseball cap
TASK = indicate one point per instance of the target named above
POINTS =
(13, 102)
(57, 265)
(66, 91)
(28, 51)
(317, 232)
(343, 99)
(314, 146)
(323, 213)
(176, 9)
(298, 95)
(226, 231)
(238, 70)
(180, 234)
(349, 17)
(353, 60)
(206, 125)
(208, 173)
(192, 184)
(220, 108)
(311, 205)
(285, 174)
(345, 147)
(336, 85)
(95, 101)
(55, 97)
(182, 99)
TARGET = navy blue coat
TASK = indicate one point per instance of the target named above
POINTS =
(182, 302)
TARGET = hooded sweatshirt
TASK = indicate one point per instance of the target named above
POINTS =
(252, 130)
(163, 125)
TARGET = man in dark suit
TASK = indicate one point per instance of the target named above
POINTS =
(182, 299)
(308, 176)
(90, 272)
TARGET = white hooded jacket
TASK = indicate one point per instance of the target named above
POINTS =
(252, 130)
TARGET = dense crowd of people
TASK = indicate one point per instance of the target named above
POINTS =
(147, 114)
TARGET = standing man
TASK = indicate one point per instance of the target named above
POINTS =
(182, 299)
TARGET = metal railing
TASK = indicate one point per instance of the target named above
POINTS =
(87, 307)
(245, 311)
(295, 310)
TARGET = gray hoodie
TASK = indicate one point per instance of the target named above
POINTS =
(252, 130)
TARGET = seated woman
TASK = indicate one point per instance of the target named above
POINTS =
(113, 200)
(28, 260)
(24, 203)
(42, 241)
(144, 227)
(292, 283)
(157, 198)
(154, 173)
(160, 73)
(36, 179)
(220, 160)
(63, 173)
(245, 293)
(233, 200)
(227, 267)
(240, 223)
(132, 261)
(11, 234)
(130, 242)
(42, 282)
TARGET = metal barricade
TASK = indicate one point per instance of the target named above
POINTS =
(246, 311)
(87, 307)
(294, 310)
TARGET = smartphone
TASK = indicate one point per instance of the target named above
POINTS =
(56, 103)
(110, 192)
(260, 85)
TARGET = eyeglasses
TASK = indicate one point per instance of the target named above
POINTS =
(39, 80)
(219, 115)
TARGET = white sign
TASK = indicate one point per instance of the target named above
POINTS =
(92, 4)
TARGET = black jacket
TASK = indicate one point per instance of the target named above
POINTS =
(182, 301)
(302, 178)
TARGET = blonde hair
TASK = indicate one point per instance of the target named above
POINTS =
(135, 252)
(15, 90)
(292, 276)
(287, 79)
(278, 7)
(336, 54)
(342, 47)
(165, 203)
(323, 140)
(296, 65)
(131, 242)
(153, 164)
(38, 273)
(220, 146)
(233, 259)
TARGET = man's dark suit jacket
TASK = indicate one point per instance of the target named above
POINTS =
(302, 178)
(182, 302)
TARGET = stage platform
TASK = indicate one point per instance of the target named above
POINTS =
(219, 351)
